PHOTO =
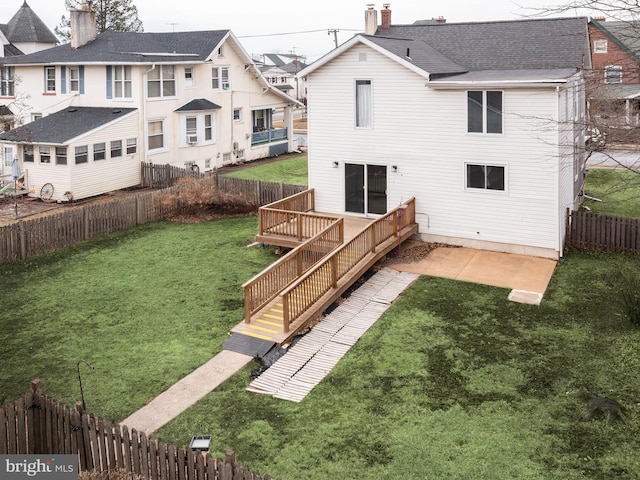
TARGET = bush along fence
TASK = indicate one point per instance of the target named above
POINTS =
(38, 425)
(602, 232)
(30, 237)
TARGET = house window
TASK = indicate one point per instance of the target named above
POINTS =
(237, 114)
(122, 81)
(484, 112)
(50, 79)
(116, 148)
(613, 74)
(192, 130)
(188, 77)
(161, 82)
(132, 146)
(82, 154)
(74, 79)
(364, 104)
(486, 177)
(28, 153)
(156, 134)
(600, 46)
(61, 155)
(45, 155)
(220, 78)
(261, 120)
(36, 116)
(208, 127)
(99, 151)
(7, 82)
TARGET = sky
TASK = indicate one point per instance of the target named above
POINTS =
(291, 26)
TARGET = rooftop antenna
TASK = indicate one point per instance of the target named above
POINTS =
(173, 26)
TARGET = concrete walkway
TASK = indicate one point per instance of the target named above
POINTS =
(180, 396)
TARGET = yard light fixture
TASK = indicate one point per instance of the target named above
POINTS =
(395, 168)
(335, 164)
(84, 406)
(200, 443)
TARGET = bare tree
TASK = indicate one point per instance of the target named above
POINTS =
(114, 15)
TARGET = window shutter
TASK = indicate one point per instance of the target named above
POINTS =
(63, 79)
(109, 82)
(81, 79)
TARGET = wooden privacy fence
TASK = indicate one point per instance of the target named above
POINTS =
(603, 232)
(38, 425)
(30, 237)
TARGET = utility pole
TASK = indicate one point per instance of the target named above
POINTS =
(335, 36)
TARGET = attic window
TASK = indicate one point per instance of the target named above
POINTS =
(362, 57)
(600, 46)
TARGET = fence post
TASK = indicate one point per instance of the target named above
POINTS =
(85, 219)
(258, 192)
(23, 240)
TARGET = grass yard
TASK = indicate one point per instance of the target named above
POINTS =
(292, 171)
(145, 307)
(618, 189)
(454, 382)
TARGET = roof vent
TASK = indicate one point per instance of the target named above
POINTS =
(72, 110)
(115, 112)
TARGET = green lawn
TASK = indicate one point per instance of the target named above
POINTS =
(145, 307)
(292, 171)
(618, 189)
(454, 382)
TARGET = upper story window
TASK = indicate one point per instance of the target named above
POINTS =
(600, 46)
(188, 77)
(74, 79)
(484, 111)
(613, 74)
(50, 79)
(122, 81)
(364, 104)
(7, 82)
(161, 82)
(220, 78)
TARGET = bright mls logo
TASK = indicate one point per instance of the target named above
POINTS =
(45, 467)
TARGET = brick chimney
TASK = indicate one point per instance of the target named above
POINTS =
(83, 26)
(370, 20)
(385, 15)
(441, 20)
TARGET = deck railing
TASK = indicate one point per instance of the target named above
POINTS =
(270, 135)
(300, 296)
(266, 286)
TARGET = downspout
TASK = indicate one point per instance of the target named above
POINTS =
(145, 123)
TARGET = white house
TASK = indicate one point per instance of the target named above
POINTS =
(194, 98)
(481, 122)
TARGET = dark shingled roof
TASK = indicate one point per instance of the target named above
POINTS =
(132, 47)
(198, 104)
(521, 44)
(65, 125)
(419, 54)
(26, 26)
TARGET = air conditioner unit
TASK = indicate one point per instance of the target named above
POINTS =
(226, 85)
(192, 139)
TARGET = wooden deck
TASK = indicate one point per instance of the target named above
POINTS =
(284, 299)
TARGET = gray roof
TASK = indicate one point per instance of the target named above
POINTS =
(132, 47)
(418, 53)
(523, 76)
(625, 34)
(520, 44)
(26, 26)
(65, 125)
(616, 90)
(198, 104)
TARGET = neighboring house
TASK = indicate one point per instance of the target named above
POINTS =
(197, 96)
(483, 123)
(281, 71)
(613, 90)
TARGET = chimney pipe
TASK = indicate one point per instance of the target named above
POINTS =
(370, 20)
(83, 25)
(385, 15)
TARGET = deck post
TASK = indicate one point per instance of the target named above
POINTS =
(334, 271)
(299, 220)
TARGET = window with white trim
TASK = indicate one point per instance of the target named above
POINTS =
(99, 151)
(74, 79)
(485, 177)
(237, 114)
(155, 138)
(132, 146)
(484, 111)
(208, 127)
(613, 74)
(600, 46)
(188, 77)
(82, 154)
(28, 154)
(7, 81)
(61, 155)
(45, 154)
(192, 129)
(161, 82)
(116, 148)
(50, 79)
(122, 81)
(220, 78)
(364, 104)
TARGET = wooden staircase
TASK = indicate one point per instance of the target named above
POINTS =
(295, 290)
